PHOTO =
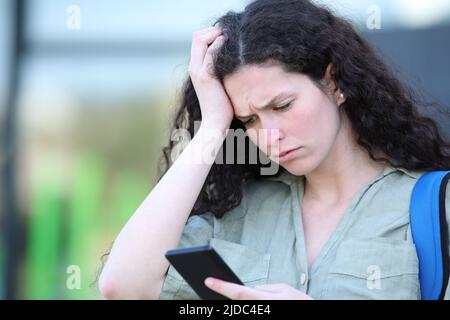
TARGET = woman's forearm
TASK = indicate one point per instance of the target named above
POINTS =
(136, 265)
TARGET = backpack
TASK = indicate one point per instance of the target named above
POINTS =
(430, 233)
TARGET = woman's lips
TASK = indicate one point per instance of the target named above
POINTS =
(288, 155)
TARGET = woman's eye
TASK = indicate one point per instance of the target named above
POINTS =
(287, 105)
(250, 121)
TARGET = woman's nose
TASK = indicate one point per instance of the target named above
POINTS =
(272, 137)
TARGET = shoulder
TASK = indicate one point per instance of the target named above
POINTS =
(446, 184)
(397, 185)
(403, 181)
(384, 205)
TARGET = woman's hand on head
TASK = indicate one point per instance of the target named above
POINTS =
(234, 291)
(216, 107)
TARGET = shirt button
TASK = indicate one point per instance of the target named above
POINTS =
(303, 279)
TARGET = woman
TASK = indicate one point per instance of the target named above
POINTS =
(333, 222)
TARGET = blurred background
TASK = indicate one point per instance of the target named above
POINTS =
(87, 88)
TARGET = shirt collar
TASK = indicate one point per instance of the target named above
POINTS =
(288, 178)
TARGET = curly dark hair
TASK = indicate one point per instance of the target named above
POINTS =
(305, 38)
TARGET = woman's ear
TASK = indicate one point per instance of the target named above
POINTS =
(333, 86)
(330, 80)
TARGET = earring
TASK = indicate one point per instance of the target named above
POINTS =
(341, 96)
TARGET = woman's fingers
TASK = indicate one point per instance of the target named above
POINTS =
(200, 42)
(208, 63)
(233, 291)
(215, 105)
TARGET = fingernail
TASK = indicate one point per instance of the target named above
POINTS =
(209, 282)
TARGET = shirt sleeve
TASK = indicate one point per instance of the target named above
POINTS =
(197, 232)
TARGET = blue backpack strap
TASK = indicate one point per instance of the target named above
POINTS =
(430, 233)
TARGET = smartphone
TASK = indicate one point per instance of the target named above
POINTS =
(195, 264)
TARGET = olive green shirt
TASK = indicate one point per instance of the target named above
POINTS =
(370, 255)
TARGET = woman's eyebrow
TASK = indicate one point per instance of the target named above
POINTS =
(272, 101)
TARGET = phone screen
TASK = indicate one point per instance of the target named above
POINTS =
(195, 264)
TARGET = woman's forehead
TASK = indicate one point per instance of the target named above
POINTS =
(257, 85)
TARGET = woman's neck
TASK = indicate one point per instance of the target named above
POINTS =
(347, 168)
